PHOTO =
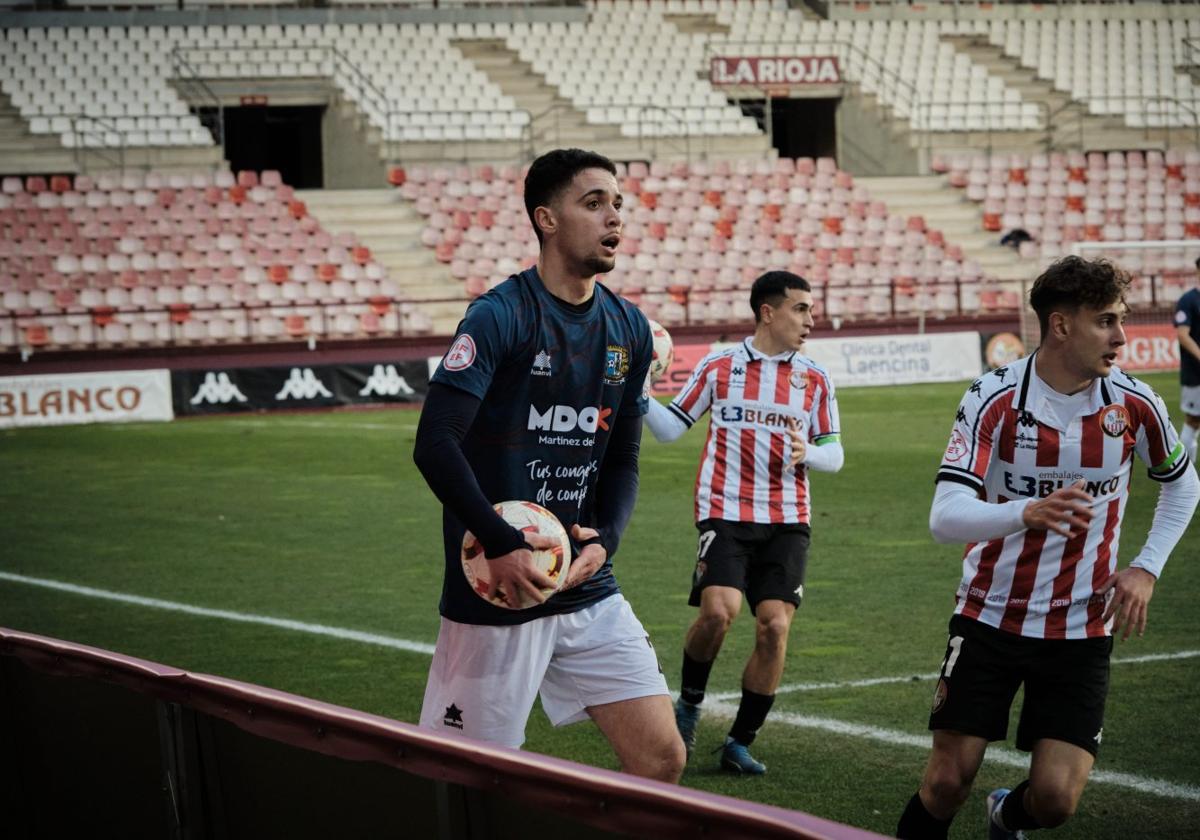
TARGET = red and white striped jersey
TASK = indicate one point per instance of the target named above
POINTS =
(1006, 445)
(744, 476)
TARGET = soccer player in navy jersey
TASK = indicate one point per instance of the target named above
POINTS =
(773, 418)
(1035, 480)
(540, 398)
(1187, 325)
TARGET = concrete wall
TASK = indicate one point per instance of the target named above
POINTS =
(348, 159)
(868, 146)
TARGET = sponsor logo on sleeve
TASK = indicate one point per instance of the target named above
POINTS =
(1181, 317)
(957, 450)
(461, 355)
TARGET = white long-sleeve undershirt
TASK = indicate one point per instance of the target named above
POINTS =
(959, 515)
(667, 426)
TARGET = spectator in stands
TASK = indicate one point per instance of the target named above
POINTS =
(1187, 323)
(1015, 237)
(1035, 481)
(773, 417)
(540, 398)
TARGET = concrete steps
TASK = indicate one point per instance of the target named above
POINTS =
(1070, 124)
(391, 227)
(945, 208)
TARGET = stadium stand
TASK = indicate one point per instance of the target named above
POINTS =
(154, 259)
(1060, 199)
(696, 234)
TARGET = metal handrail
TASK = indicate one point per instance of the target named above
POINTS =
(643, 109)
(192, 77)
(81, 129)
(1141, 102)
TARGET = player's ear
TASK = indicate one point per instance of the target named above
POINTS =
(1059, 325)
(544, 218)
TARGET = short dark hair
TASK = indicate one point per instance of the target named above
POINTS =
(1073, 282)
(552, 172)
(1198, 263)
(771, 288)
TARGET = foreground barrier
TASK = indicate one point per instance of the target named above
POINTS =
(93, 743)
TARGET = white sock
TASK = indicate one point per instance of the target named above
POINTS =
(1187, 436)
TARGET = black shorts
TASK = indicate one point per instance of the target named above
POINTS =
(766, 562)
(1066, 684)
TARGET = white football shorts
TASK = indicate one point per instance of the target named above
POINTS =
(1189, 400)
(484, 678)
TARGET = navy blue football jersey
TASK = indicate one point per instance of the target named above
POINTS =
(1187, 314)
(551, 381)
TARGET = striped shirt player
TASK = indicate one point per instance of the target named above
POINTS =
(1008, 444)
(1034, 481)
(751, 396)
(773, 417)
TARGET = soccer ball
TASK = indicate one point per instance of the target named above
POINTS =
(529, 518)
(664, 351)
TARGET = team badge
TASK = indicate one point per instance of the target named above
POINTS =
(799, 379)
(957, 448)
(1114, 420)
(1181, 317)
(616, 364)
(461, 355)
(939, 696)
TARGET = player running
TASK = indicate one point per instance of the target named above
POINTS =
(773, 418)
(540, 398)
(1035, 480)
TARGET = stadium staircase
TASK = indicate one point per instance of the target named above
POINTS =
(943, 207)
(1071, 126)
(391, 227)
(23, 153)
(556, 122)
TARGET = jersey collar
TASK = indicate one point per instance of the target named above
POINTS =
(753, 354)
(1030, 395)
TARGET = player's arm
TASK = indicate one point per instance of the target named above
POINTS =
(823, 449)
(1158, 445)
(616, 493)
(447, 415)
(667, 425)
(1186, 342)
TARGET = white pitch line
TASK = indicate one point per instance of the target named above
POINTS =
(996, 755)
(1010, 758)
(228, 615)
(792, 688)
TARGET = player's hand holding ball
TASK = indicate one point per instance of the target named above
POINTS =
(590, 559)
(522, 578)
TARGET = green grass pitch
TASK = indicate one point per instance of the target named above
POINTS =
(322, 518)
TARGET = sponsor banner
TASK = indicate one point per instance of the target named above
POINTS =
(1149, 347)
(775, 71)
(898, 359)
(1000, 349)
(222, 390)
(60, 399)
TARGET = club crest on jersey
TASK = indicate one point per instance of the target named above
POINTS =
(799, 379)
(616, 364)
(957, 449)
(1114, 420)
(541, 364)
(461, 355)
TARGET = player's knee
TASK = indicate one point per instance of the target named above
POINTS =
(773, 631)
(717, 620)
(948, 786)
(665, 763)
(1052, 807)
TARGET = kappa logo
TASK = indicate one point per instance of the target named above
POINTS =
(541, 364)
(217, 389)
(1024, 418)
(976, 387)
(302, 384)
(386, 382)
